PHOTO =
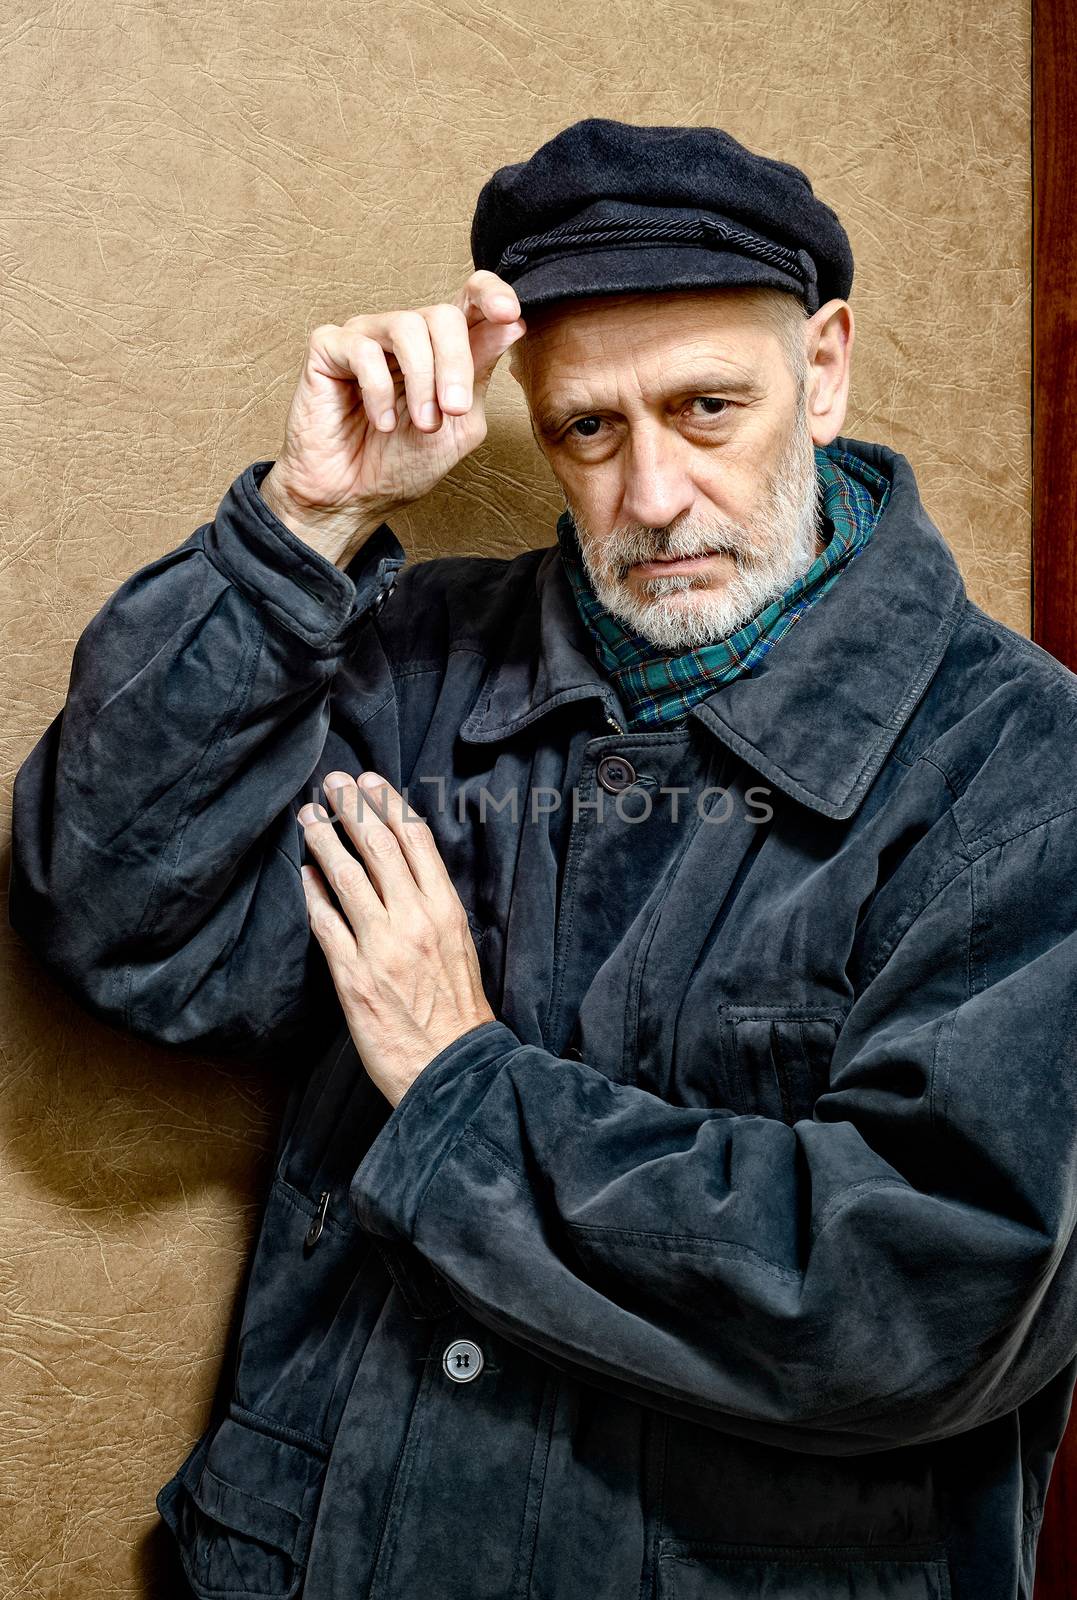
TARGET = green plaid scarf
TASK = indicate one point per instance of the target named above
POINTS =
(657, 688)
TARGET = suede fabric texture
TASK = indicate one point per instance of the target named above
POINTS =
(758, 1194)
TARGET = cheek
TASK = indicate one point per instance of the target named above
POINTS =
(729, 488)
(594, 493)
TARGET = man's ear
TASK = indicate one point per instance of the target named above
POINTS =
(830, 348)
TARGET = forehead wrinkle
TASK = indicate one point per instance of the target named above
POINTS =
(646, 321)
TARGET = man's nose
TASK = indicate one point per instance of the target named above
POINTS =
(657, 486)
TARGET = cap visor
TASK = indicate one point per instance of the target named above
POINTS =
(643, 269)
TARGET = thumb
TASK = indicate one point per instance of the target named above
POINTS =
(489, 341)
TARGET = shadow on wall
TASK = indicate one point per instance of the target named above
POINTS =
(160, 1575)
(133, 1178)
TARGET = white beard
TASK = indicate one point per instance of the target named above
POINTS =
(775, 546)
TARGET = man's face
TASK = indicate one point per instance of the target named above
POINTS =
(679, 435)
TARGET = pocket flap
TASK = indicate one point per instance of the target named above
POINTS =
(815, 1573)
(244, 1512)
(782, 1059)
(242, 1509)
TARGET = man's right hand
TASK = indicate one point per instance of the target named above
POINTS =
(386, 405)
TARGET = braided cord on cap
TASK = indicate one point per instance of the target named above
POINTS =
(708, 230)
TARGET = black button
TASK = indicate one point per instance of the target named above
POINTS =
(615, 774)
(383, 595)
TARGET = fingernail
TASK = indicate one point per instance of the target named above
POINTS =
(503, 302)
(428, 414)
(456, 395)
(387, 420)
(370, 780)
(308, 815)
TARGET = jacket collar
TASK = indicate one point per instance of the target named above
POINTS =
(820, 713)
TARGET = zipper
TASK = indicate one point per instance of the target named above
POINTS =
(566, 889)
(314, 1232)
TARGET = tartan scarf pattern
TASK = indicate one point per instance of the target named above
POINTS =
(657, 688)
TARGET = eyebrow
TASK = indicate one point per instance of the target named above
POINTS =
(551, 419)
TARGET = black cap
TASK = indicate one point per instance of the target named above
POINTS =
(609, 207)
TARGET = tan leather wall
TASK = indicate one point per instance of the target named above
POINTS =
(187, 193)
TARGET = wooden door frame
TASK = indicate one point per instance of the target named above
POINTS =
(1054, 330)
(1054, 516)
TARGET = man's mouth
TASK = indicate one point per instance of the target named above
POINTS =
(653, 569)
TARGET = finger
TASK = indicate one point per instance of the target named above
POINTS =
(376, 383)
(453, 369)
(485, 295)
(414, 835)
(489, 341)
(326, 923)
(353, 351)
(409, 339)
(363, 815)
(346, 876)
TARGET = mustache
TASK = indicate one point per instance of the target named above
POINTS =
(625, 546)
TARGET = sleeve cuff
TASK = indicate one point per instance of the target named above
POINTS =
(283, 575)
(389, 1184)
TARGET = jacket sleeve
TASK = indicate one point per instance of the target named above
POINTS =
(895, 1269)
(156, 852)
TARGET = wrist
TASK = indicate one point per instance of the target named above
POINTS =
(334, 532)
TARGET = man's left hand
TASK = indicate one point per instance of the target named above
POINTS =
(400, 949)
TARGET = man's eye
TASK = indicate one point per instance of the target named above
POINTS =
(588, 427)
(716, 405)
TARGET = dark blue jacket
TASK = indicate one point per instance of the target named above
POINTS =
(736, 1257)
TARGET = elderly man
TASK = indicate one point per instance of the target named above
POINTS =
(676, 1194)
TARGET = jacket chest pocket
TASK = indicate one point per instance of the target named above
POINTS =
(778, 1057)
(785, 1572)
(333, 1118)
(330, 1126)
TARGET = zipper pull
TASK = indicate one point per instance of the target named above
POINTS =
(613, 724)
(314, 1232)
